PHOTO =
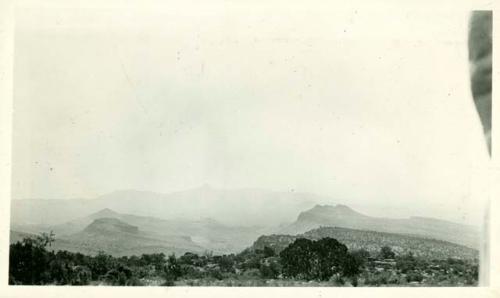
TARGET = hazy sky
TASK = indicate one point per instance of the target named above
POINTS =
(364, 106)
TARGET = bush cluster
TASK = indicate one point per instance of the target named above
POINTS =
(303, 262)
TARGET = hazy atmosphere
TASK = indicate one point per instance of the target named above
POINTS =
(237, 144)
(368, 108)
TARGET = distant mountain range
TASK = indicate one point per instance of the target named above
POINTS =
(343, 216)
(221, 221)
(121, 234)
(232, 207)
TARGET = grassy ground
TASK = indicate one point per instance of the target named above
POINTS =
(289, 283)
(254, 283)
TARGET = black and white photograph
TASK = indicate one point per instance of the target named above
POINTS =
(241, 144)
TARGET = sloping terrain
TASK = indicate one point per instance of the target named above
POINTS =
(373, 241)
(146, 234)
(206, 234)
(16, 236)
(343, 216)
(117, 238)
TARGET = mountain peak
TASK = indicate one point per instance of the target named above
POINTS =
(110, 225)
(329, 208)
(106, 212)
(327, 212)
(344, 208)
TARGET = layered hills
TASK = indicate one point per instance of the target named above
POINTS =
(132, 222)
(229, 206)
(344, 216)
(373, 242)
(120, 234)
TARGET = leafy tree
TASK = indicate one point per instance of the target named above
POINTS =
(331, 258)
(81, 275)
(189, 258)
(320, 260)
(29, 260)
(297, 259)
(226, 263)
(268, 252)
(156, 260)
(120, 275)
(270, 268)
(250, 259)
(361, 255)
(101, 265)
(386, 253)
(406, 263)
(215, 272)
(46, 239)
(172, 270)
(351, 265)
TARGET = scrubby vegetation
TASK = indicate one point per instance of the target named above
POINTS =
(425, 248)
(304, 262)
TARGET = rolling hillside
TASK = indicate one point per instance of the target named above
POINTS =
(118, 238)
(343, 216)
(373, 241)
(120, 233)
(155, 234)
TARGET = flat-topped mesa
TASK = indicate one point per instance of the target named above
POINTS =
(322, 211)
(345, 217)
